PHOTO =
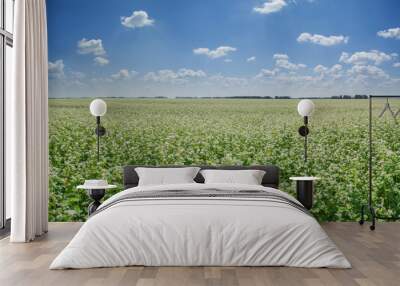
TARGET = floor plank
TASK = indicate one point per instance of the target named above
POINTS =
(375, 257)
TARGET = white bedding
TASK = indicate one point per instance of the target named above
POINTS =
(200, 231)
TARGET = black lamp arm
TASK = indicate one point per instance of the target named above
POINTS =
(100, 131)
(304, 131)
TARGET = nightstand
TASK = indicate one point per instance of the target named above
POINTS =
(304, 190)
(95, 189)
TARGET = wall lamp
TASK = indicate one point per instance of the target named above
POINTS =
(305, 108)
(98, 108)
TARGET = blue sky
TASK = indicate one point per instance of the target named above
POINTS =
(223, 48)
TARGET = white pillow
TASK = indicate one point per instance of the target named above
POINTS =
(248, 177)
(166, 176)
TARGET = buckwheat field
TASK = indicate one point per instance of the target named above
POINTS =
(227, 132)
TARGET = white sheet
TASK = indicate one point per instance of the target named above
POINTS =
(211, 231)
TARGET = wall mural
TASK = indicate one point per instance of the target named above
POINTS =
(212, 82)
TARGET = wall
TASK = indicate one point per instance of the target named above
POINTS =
(131, 53)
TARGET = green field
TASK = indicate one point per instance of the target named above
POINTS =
(218, 131)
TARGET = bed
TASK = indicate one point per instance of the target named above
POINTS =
(197, 224)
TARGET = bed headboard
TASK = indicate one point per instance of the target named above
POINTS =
(270, 179)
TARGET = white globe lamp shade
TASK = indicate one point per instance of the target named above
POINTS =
(98, 107)
(305, 107)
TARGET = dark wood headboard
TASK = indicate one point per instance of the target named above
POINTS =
(270, 179)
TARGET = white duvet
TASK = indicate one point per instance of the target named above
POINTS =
(200, 231)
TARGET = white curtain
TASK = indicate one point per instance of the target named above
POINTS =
(26, 124)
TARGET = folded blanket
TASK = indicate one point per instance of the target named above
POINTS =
(204, 193)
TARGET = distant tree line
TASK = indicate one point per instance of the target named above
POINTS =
(357, 96)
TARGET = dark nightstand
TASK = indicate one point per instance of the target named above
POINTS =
(96, 193)
(304, 190)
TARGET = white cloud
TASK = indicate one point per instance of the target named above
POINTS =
(93, 46)
(280, 56)
(322, 69)
(214, 54)
(334, 72)
(134, 73)
(124, 74)
(325, 80)
(56, 69)
(265, 73)
(325, 77)
(322, 40)
(228, 60)
(282, 61)
(362, 58)
(299, 80)
(367, 71)
(251, 59)
(228, 81)
(66, 79)
(396, 65)
(164, 76)
(101, 80)
(190, 73)
(336, 68)
(77, 75)
(75, 83)
(270, 6)
(390, 33)
(170, 76)
(101, 61)
(138, 19)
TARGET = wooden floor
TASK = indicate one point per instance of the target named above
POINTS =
(375, 257)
